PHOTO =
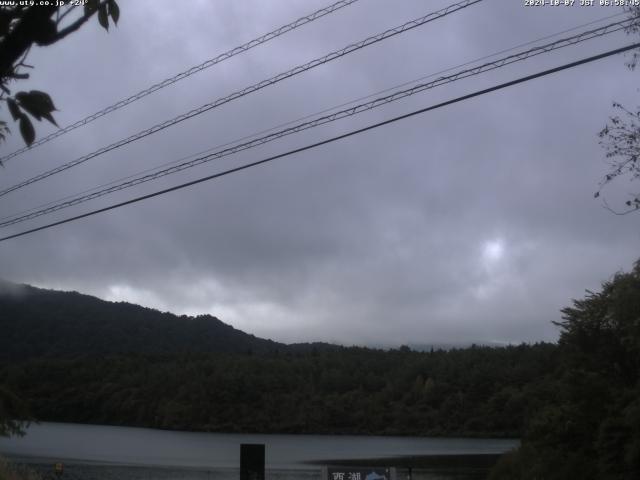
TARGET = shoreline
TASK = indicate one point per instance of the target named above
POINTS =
(475, 460)
(403, 461)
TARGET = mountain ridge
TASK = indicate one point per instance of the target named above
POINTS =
(39, 322)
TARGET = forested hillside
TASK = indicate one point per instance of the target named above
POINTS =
(76, 358)
(47, 323)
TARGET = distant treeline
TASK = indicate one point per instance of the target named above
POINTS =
(475, 391)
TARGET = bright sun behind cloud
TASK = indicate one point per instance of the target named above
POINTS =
(491, 276)
(493, 250)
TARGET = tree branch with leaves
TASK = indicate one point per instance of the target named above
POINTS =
(621, 137)
(22, 27)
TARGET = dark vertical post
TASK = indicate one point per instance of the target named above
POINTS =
(252, 461)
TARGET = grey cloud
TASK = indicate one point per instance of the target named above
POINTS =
(472, 223)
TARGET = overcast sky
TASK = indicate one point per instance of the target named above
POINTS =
(472, 223)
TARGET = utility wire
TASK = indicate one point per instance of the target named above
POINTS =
(258, 86)
(306, 117)
(378, 102)
(330, 140)
(187, 73)
(299, 119)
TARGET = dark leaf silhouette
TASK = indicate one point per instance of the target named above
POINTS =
(13, 108)
(26, 130)
(38, 104)
(114, 11)
(103, 16)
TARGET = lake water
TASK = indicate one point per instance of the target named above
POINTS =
(92, 452)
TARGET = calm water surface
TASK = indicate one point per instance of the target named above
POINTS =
(92, 452)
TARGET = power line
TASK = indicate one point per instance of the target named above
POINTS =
(617, 26)
(329, 140)
(291, 122)
(253, 88)
(357, 109)
(299, 119)
(187, 73)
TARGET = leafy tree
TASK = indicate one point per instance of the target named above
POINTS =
(21, 27)
(621, 136)
(602, 331)
(590, 427)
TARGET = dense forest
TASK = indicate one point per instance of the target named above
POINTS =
(575, 404)
(476, 391)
